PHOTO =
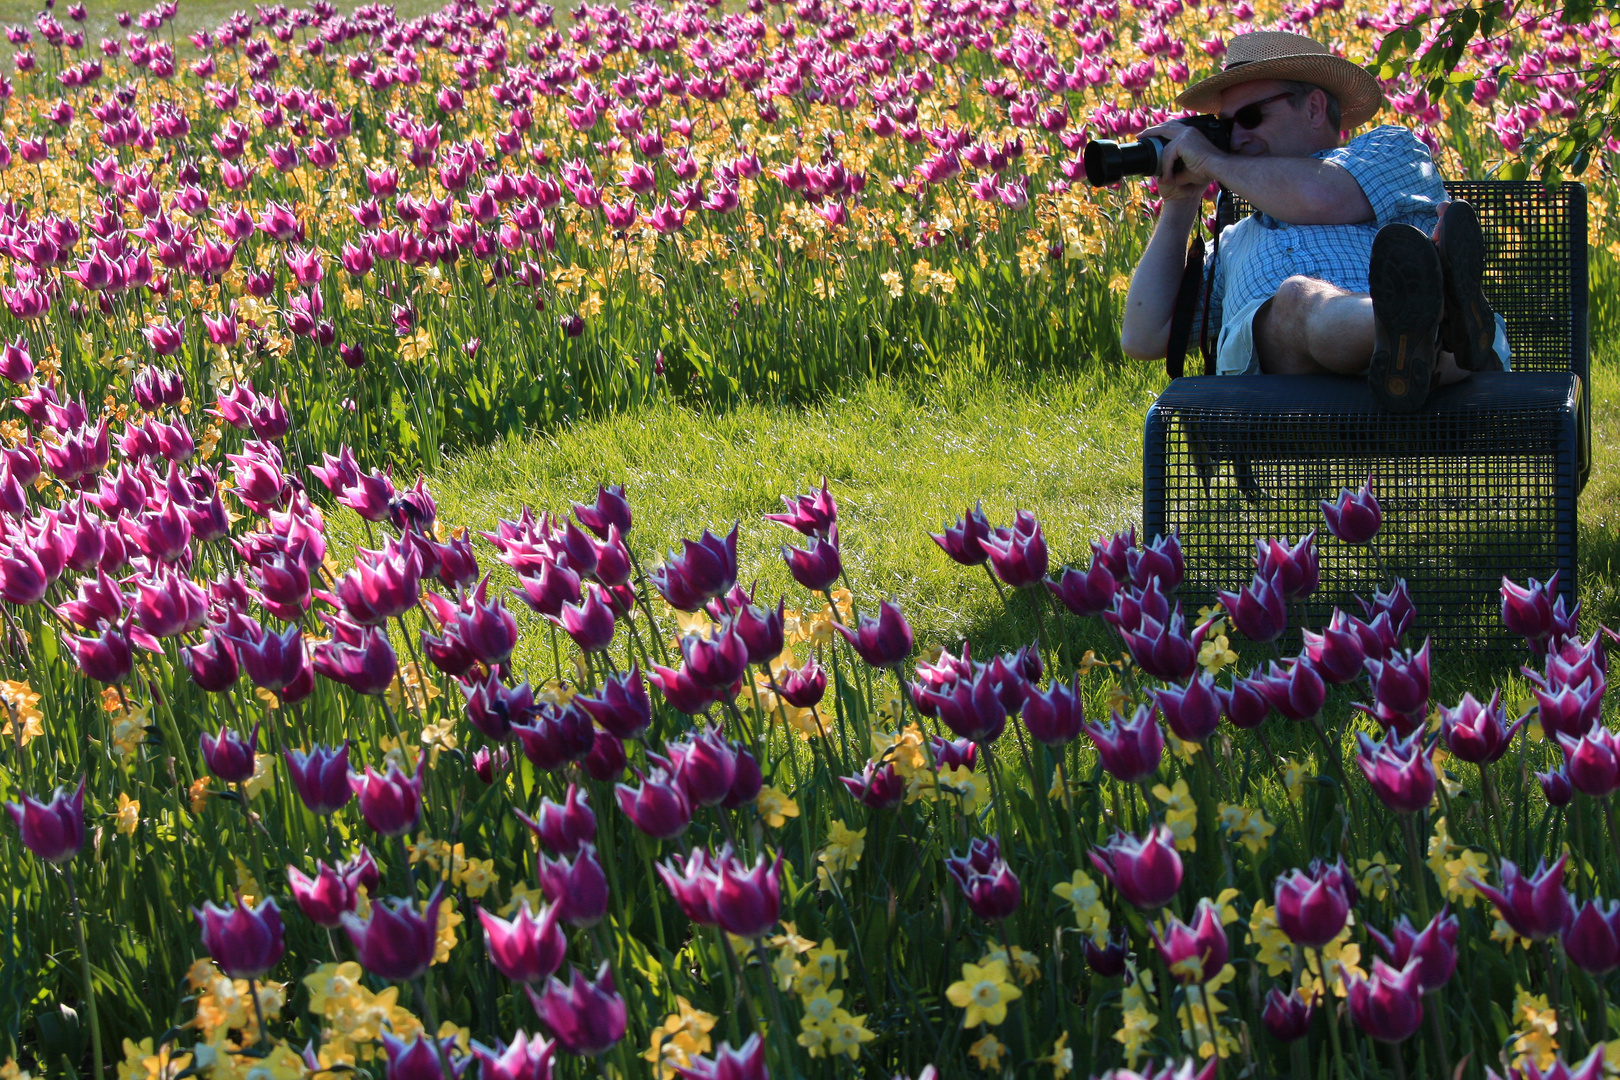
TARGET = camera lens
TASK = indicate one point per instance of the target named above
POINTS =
(1108, 162)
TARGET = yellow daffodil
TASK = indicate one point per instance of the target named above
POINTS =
(984, 992)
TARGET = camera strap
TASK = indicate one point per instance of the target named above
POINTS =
(1181, 316)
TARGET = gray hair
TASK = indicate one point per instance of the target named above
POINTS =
(1302, 90)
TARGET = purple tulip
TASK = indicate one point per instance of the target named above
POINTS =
(1194, 954)
(1287, 1016)
(1312, 906)
(1164, 649)
(228, 757)
(1337, 653)
(244, 941)
(1108, 960)
(1161, 559)
(324, 898)
(761, 631)
(882, 642)
(577, 886)
(1478, 733)
(729, 1064)
(1570, 710)
(815, 514)
(396, 941)
(555, 735)
(817, 565)
(1593, 761)
(1246, 704)
(563, 827)
(746, 902)
(879, 786)
(1085, 594)
(105, 657)
(1017, 552)
(54, 831)
(1397, 603)
(1528, 610)
(1400, 771)
(954, 753)
(488, 629)
(681, 691)
(422, 1058)
(527, 949)
(1055, 716)
(610, 510)
(391, 804)
(1401, 683)
(1130, 749)
(1592, 1068)
(621, 706)
(1146, 872)
(1258, 610)
(1591, 937)
(716, 662)
(1389, 1005)
(1293, 571)
(585, 1015)
(493, 707)
(366, 667)
(803, 687)
(987, 882)
(705, 766)
(971, 707)
(1192, 711)
(707, 568)
(1435, 949)
(590, 623)
(1355, 516)
(524, 1059)
(747, 783)
(1536, 907)
(963, 542)
(273, 661)
(659, 807)
(1296, 691)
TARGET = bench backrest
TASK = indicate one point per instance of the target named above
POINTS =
(1535, 267)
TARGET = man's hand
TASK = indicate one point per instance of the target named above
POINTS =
(1195, 153)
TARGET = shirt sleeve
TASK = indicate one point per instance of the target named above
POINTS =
(1394, 170)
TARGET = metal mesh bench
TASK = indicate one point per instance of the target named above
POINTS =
(1480, 483)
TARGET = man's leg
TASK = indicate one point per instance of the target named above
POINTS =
(1311, 327)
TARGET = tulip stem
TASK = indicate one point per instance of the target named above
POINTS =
(1414, 855)
(258, 1015)
(1608, 819)
(424, 993)
(1332, 1014)
(1400, 1062)
(1438, 1032)
(84, 969)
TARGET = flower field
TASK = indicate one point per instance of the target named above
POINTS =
(304, 780)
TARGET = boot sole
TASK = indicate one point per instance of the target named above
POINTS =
(1469, 331)
(1404, 279)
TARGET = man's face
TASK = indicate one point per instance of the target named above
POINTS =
(1288, 128)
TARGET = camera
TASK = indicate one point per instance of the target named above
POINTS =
(1107, 162)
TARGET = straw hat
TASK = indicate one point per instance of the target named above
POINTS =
(1273, 54)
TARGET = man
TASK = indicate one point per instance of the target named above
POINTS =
(1336, 272)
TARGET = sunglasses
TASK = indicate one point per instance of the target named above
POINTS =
(1252, 116)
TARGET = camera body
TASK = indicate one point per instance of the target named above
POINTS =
(1108, 162)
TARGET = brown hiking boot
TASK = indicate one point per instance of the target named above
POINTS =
(1405, 281)
(1468, 330)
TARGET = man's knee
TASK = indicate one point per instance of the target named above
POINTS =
(1297, 295)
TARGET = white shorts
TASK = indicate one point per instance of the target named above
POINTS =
(1235, 353)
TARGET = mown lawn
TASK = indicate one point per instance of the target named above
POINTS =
(901, 460)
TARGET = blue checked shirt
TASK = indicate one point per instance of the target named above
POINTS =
(1400, 181)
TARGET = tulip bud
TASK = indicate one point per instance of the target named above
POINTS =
(1536, 907)
(1355, 516)
(244, 941)
(228, 757)
(1312, 906)
(527, 949)
(987, 882)
(324, 898)
(1287, 1016)
(396, 941)
(747, 902)
(882, 642)
(585, 1015)
(1194, 954)
(1389, 1005)
(1130, 749)
(1435, 949)
(1146, 871)
(563, 827)
(54, 831)
(391, 804)
(1192, 711)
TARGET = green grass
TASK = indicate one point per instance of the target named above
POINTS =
(901, 459)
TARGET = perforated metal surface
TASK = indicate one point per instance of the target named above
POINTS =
(1479, 487)
(1480, 484)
